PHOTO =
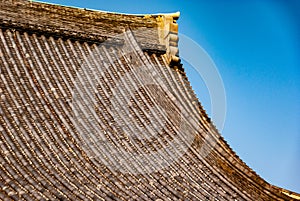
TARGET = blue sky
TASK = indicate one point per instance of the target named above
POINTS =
(255, 46)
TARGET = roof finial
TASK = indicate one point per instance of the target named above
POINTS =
(168, 35)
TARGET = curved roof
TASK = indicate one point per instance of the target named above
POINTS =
(96, 106)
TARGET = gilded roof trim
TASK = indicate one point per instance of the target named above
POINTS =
(168, 35)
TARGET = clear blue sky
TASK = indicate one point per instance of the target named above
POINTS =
(256, 48)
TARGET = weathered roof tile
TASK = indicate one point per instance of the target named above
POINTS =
(85, 117)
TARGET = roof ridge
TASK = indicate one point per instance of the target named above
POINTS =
(83, 24)
(175, 15)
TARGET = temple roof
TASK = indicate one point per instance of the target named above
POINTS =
(96, 106)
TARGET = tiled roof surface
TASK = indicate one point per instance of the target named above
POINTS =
(64, 132)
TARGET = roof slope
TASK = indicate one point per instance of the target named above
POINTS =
(96, 106)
